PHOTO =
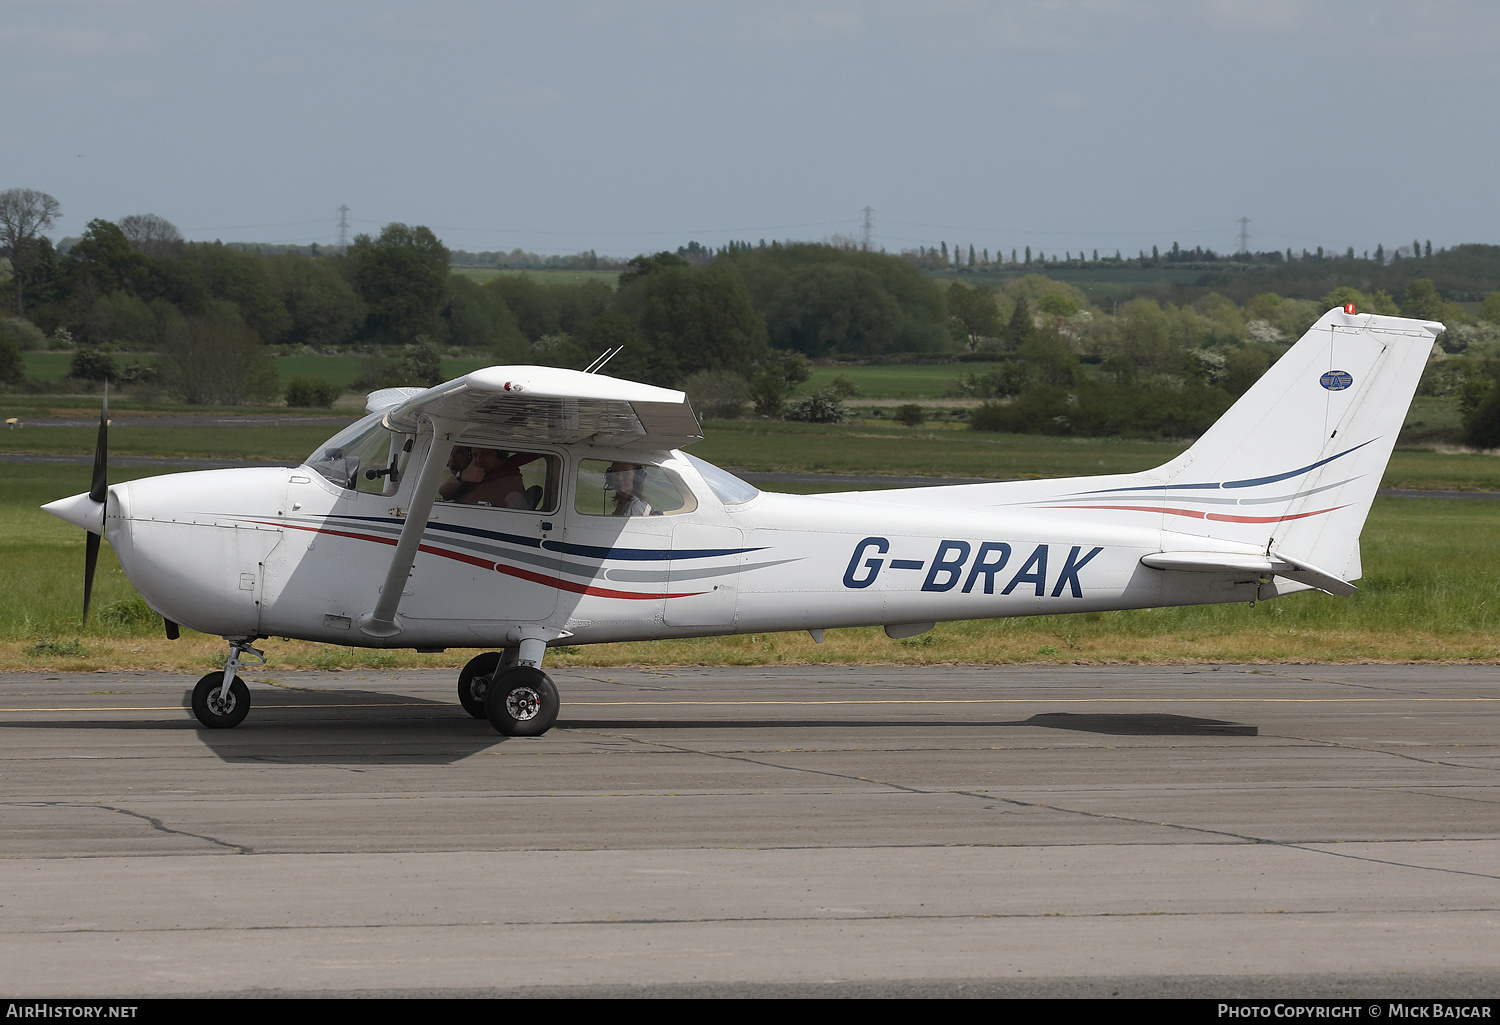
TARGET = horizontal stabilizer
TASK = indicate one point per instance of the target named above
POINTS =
(1262, 565)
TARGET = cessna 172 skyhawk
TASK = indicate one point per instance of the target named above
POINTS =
(598, 528)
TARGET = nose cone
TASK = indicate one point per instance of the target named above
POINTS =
(80, 510)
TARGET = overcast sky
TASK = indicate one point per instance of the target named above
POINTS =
(635, 126)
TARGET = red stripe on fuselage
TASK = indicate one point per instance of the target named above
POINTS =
(498, 567)
(1199, 515)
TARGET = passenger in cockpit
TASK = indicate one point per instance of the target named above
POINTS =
(628, 482)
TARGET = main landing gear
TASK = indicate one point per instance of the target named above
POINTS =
(506, 687)
(510, 690)
(221, 699)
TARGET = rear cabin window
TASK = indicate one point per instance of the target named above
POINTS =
(623, 488)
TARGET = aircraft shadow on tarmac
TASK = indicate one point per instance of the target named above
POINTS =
(1129, 724)
(1143, 724)
(368, 727)
(311, 727)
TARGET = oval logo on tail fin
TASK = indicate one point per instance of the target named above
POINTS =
(1336, 380)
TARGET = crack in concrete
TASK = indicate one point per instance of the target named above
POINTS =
(1108, 816)
(155, 823)
(1337, 745)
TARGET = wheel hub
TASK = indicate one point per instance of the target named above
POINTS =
(220, 703)
(523, 703)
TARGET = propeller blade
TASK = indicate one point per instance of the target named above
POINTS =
(90, 560)
(98, 491)
(100, 486)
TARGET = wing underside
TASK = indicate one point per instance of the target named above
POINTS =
(504, 407)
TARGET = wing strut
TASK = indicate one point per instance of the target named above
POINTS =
(382, 620)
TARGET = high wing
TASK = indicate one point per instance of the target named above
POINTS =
(511, 407)
(502, 407)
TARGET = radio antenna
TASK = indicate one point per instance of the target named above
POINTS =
(598, 364)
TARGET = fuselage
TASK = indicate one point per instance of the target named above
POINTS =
(285, 551)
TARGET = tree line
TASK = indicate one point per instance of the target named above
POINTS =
(736, 326)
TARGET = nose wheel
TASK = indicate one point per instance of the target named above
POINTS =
(219, 710)
(521, 701)
(221, 700)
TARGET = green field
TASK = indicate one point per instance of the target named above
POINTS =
(894, 382)
(345, 370)
(49, 366)
(770, 446)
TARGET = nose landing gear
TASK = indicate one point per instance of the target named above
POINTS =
(221, 700)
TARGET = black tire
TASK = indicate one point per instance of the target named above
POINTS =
(475, 680)
(214, 714)
(522, 702)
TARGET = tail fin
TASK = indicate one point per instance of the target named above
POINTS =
(1280, 485)
(1293, 466)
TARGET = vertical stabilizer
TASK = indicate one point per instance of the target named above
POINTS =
(1293, 466)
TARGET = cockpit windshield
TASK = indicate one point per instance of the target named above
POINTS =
(360, 457)
(728, 488)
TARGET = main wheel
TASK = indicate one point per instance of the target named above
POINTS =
(475, 680)
(220, 713)
(522, 702)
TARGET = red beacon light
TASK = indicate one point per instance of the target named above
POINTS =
(1349, 308)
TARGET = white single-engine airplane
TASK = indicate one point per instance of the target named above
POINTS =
(575, 518)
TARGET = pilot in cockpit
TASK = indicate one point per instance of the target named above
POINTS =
(488, 477)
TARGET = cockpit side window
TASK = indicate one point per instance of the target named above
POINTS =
(502, 479)
(624, 488)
